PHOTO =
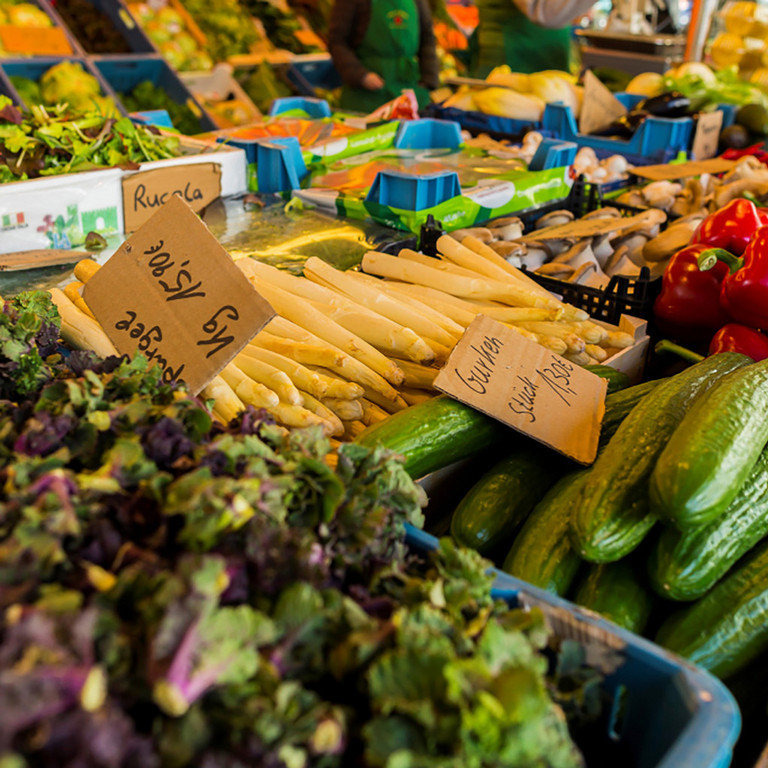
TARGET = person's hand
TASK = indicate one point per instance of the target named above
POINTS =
(372, 82)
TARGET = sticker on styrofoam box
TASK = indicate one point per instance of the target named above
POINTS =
(58, 211)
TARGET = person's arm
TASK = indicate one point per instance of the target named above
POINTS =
(341, 31)
(553, 13)
(429, 66)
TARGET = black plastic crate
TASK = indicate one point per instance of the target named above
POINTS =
(622, 296)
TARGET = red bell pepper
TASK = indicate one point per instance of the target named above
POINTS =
(731, 227)
(688, 307)
(744, 292)
(734, 337)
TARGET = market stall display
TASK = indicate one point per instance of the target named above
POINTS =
(274, 519)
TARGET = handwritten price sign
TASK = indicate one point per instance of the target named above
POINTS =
(173, 293)
(501, 373)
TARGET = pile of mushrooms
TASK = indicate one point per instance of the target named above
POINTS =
(623, 246)
(703, 194)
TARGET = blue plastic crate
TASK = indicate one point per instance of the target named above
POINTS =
(428, 134)
(124, 73)
(306, 76)
(34, 69)
(478, 122)
(311, 107)
(123, 22)
(657, 140)
(665, 712)
(413, 193)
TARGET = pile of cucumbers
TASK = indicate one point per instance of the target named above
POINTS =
(666, 533)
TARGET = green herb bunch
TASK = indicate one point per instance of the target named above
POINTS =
(55, 140)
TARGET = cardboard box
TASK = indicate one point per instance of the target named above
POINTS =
(632, 359)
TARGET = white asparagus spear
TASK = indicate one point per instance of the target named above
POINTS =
(379, 331)
(302, 352)
(311, 403)
(273, 378)
(476, 288)
(249, 391)
(79, 330)
(227, 404)
(383, 303)
(346, 410)
(306, 316)
(304, 379)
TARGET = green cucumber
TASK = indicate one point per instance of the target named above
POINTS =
(619, 404)
(616, 591)
(498, 504)
(617, 380)
(728, 627)
(434, 434)
(714, 449)
(542, 553)
(686, 565)
(612, 515)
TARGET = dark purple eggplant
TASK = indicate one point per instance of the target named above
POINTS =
(623, 127)
(670, 104)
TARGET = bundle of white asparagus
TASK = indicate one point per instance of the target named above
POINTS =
(347, 349)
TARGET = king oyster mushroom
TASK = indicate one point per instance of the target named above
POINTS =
(606, 212)
(561, 271)
(729, 192)
(602, 248)
(483, 234)
(512, 252)
(634, 242)
(554, 219)
(661, 194)
(633, 197)
(508, 228)
(536, 253)
(675, 237)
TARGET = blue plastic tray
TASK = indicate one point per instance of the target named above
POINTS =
(35, 68)
(307, 76)
(123, 22)
(673, 715)
(124, 73)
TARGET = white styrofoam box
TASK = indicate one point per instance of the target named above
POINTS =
(58, 211)
(231, 160)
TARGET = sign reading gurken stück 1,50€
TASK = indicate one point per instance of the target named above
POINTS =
(531, 389)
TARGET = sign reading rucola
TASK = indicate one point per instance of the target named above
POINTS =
(173, 293)
(529, 388)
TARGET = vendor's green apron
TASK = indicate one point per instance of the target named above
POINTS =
(389, 48)
(506, 36)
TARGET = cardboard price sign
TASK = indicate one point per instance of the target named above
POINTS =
(146, 192)
(682, 170)
(172, 292)
(600, 107)
(529, 388)
(40, 41)
(705, 139)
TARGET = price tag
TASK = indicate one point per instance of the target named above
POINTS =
(172, 292)
(683, 170)
(40, 41)
(600, 107)
(144, 193)
(529, 388)
(705, 140)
